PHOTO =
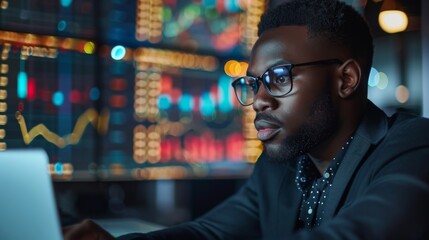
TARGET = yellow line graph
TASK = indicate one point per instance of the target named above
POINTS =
(90, 116)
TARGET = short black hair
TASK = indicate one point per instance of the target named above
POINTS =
(332, 20)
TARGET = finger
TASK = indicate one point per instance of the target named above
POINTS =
(86, 230)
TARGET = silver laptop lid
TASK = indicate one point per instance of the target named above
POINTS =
(27, 204)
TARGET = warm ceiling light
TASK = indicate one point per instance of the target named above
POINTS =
(393, 21)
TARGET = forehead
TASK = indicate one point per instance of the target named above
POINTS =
(285, 44)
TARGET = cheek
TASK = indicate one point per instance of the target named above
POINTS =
(295, 111)
(297, 107)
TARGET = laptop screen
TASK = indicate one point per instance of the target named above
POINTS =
(27, 204)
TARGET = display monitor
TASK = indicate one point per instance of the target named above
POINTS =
(112, 97)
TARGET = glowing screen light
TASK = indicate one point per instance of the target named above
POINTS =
(192, 11)
(171, 29)
(225, 103)
(94, 93)
(61, 25)
(58, 168)
(117, 136)
(58, 98)
(164, 102)
(232, 5)
(117, 118)
(74, 96)
(207, 106)
(167, 15)
(22, 84)
(31, 89)
(209, 3)
(118, 52)
(186, 103)
(66, 3)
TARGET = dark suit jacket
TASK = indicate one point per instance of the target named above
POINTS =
(381, 191)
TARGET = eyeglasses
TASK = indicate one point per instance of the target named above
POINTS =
(277, 81)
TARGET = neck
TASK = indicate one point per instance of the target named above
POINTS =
(320, 164)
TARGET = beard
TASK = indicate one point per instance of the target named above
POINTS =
(320, 124)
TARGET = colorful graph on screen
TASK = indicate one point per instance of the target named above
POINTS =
(50, 98)
(120, 94)
(90, 116)
(185, 118)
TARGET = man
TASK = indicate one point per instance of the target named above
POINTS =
(334, 165)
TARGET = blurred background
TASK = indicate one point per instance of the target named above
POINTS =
(132, 98)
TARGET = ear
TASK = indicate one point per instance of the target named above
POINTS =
(350, 77)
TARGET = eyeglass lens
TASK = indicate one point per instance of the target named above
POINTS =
(275, 80)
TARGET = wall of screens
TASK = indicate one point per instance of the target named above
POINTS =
(138, 89)
(127, 89)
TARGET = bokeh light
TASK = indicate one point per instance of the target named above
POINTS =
(164, 101)
(118, 52)
(94, 94)
(74, 96)
(402, 94)
(4, 5)
(192, 11)
(383, 80)
(232, 6)
(66, 3)
(166, 14)
(393, 21)
(374, 78)
(171, 29)
(22, 84)
(58, 98)
(62, 25)
(89, 47)
(207, 105)
(225, 94)
(186, 103)
(117, 136)
(234, 68)
(58, 168)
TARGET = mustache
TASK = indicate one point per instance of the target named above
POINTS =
(267, 117)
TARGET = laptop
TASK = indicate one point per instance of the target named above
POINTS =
(27, 203)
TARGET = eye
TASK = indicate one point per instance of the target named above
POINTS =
(254, 87)
(252, 84)
(281, 76)
(281, 79)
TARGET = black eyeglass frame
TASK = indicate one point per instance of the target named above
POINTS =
(289, 67)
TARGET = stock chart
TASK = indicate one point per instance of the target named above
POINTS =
(128, 89)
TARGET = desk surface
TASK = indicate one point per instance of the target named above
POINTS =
(118, 227)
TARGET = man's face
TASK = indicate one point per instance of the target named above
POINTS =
(303, 119)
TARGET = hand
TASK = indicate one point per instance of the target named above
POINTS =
(86, 230)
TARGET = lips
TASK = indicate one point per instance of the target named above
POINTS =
(267, 133)
(266, 129)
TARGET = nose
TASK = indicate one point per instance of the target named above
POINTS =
(262, 100)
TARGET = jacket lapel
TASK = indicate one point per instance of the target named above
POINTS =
(370, 131)
(289, 203)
